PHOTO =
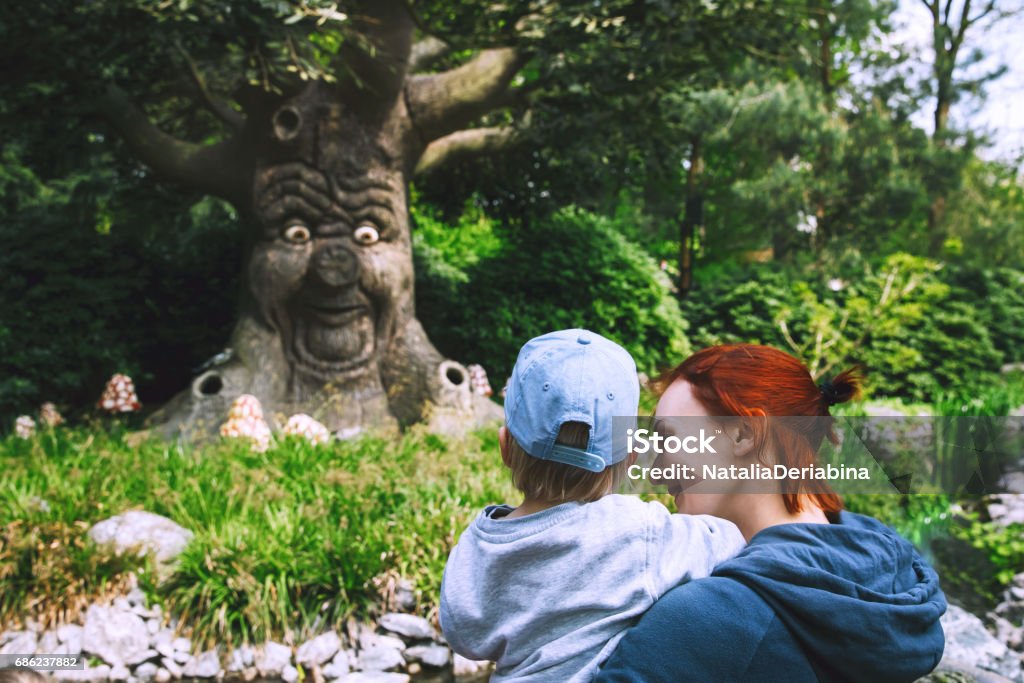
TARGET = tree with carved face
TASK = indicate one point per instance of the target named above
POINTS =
(320, 173)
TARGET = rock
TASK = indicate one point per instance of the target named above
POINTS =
(136, 598)
(1011, 482)
(968, 643)
(171, 666)
(162, 675)
(48, 643)
(141, 532)
(380, 658)
(467, 667)
(405, 595)
(408, 625)
(338, 667)
(182, 645)
(163, 642)
(205, 665)
(70, 636)
(119, 672)
(376, 677)
(368, 639)
(139, 657)
(97, 673)
(1005, 508)
(241, 658)
(146, 671)
(181, 657)
(289, 674)
(436, 656)
(114, 636)
(273, 658)
(318, 650)
(19, 643)
(152, 626)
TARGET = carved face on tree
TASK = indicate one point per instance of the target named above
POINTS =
(332, 267)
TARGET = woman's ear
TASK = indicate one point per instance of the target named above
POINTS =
(745, 434)
(503, 437)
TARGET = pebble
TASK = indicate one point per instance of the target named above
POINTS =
(318, 650)
(408, 625)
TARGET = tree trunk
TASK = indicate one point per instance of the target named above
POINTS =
(693, 219)
(327, 325)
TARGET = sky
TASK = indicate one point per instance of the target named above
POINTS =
(1002, 111)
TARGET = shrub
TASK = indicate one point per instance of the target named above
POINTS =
(481, 299)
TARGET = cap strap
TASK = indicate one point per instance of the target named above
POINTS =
(577, 457)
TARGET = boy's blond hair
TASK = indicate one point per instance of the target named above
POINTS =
(554, 482)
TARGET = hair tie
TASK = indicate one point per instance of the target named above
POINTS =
(829, 393)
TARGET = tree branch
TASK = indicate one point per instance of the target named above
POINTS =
(219, 107)
(442, 103)
(462, 145)
(211, 169)
(425, 52)
(378, 54)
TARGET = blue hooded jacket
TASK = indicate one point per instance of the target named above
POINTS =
(850, 601)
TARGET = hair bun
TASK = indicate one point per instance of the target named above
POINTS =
(843, 387)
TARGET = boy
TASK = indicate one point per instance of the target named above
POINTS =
(547, 589)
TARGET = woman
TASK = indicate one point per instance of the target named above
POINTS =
(819, 594)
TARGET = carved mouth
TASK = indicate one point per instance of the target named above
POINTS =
(334, 335)
(335, 314)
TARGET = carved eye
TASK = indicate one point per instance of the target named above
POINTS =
(297, 234)
(366, 235)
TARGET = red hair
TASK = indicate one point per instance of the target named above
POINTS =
(749, 380)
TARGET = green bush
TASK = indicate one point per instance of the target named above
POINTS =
(915, 335)
(99, 279)
(483, 293)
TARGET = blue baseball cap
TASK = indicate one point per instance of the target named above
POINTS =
(571, 376)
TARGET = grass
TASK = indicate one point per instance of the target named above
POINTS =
(301, 537)
(287, 539)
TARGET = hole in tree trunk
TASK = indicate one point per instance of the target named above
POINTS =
(209, 384)
(455, 375)
(287, 122)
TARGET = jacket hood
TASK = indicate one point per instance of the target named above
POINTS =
(858, 598)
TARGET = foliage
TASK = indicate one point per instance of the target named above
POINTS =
(574, 269)
(284, 539)
(914, 335)
(88, 292)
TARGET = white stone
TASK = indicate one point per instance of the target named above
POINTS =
(376, 677)
(436, 656)
(289, 674)
(114, 636)
(318, 650)
(20, 643)
(162, 675)
(967, 642)
(466, 667)
(152, 626)
(141, 532)
(408, 625)
(97, 673)
(182, 644)
(171, 666)
(380, 658)
(48, 643)
(146, 671)
(368, 639)
(205, 665)
(139, 657)
(71, 634)
(163, 642)
(119, 672)
(241, 658)
(273, 658)
(338, 667)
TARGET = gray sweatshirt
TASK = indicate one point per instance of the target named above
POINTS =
(547, 596)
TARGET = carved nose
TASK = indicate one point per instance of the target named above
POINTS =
(335, 265)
